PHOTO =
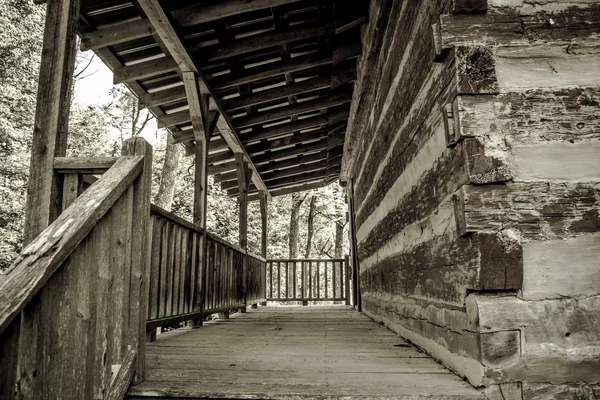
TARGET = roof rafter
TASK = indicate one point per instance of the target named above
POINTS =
(187, 16)
(166, 31)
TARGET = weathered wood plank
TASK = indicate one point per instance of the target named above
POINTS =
(44, 255)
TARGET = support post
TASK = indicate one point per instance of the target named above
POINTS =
(264, 238)
(140, 252)
(347, 279)
(203, 124)
(44, 187)
(244, 175)
(356, 298)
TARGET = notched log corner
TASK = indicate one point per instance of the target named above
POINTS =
(476, 70)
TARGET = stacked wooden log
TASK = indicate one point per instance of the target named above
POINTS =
(474, 158)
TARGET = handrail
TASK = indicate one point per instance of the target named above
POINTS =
(172, 217)
(183, 288)
(44, 255)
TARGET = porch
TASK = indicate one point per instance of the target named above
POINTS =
(293, 352)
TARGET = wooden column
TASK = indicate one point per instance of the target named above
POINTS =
(44, 189)
(264, 237)
(51, 115)
(203, 123)
(244, 175)
(140, 253)
(356, 299)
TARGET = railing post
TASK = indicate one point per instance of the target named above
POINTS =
(140, 252)
(347, 279)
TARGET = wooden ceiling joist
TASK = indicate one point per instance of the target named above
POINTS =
(187, 16)
(266, 40)
(144, 70)
(284, 182)
(332, 100)
(166, 31)
(276, 165)
(267, 133)
(277, 93)
(261, 72)
(293, 189)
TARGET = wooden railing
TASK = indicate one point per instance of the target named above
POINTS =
(308, 280)
(72, 306)
(181, 290)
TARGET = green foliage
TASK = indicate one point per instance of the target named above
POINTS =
(99, 130)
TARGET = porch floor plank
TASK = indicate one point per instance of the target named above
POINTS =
(322, 352)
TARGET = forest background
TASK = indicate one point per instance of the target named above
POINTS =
(307, 224)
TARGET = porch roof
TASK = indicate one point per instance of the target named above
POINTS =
(280, 74)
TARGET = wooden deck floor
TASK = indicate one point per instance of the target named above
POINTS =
(293, 353)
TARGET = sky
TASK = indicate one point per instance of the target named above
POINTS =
(93, 89)
(94, 86)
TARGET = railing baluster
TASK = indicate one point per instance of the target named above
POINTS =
(334, 280)
(318, 280)
(271, 279)
(295, 276)
(326, 278)
(279, 280)
(310, 280)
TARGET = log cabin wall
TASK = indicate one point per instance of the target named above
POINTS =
(473, 161)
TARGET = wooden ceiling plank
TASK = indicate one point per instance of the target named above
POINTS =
(268, 71)
(284, 182)
(162, 97)
(144, 70)
(266, 40)
(284, 173)
(277, 93)
(292, 189)
(187, 16)
(164, 27)
(332, 100)
(277, 165)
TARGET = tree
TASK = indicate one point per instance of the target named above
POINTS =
(166, 189)
(310, 222)
(297, 200)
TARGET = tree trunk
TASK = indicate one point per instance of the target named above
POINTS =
(339, 239)
(297, 201)
(164, 197)
(310, 227)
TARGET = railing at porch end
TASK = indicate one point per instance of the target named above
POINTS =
(304, 280)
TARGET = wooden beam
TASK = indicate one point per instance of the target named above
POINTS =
(83, 165)
(284, 173)
(243, 182)
(285, 182)
(291, 189)
(43, 190)
(51, 115)
(277, 93)
(272, 132)
(266, 40)
(264, 232)
(165, 29)
(276, 165)
(268, 71)
(187, 16)
(144, 70)
(202, 127)
(162, 97)
(290, 152)
(332, 100)
(344, 27)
